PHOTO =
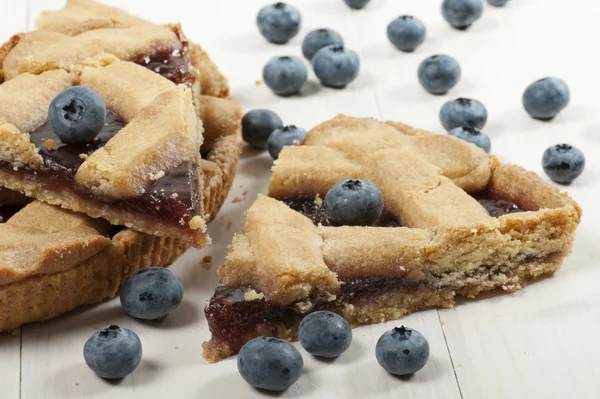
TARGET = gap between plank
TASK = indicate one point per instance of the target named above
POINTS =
(449, 354)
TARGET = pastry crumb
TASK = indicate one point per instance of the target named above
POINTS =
(302, 306)
(253, 296)
(174, 195)
(207, 262)
(235, 200)
(228, 226)
(83, 156)
(50, 144)
(176, 348)
(197, 223)
(442, 323)
(258, 82)
(157, 175)
(318, 201)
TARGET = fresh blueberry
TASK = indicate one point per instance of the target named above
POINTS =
(497, 3)
(402, 351)
(113, 352)
(406, 33)
(335, 66)
(439, 73)
(285, 75)
(319, 38)
(279, 22)
(257, 126)
(325, 334)
(287, 135)
(472, 135)
(462, 13)
(357, 4)
(563, 163)
(77, 115)
(151, 293)
(463, 112)
(270, 363)
(545, 98)
(354, 202)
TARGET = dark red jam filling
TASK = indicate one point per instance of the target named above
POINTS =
(232, 319)
(8, 211)
(316, 213)
(496, 206)
(172, 64)
(169, 199)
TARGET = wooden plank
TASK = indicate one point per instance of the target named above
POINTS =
(10, 365)
(529, 344)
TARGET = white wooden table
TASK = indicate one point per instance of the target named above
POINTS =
(541, 342)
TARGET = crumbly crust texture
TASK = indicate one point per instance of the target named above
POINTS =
(53, 260)
(447, 245)
(163, 132)
(41, 50)
(79, 16)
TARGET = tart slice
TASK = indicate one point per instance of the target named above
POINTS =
(141, 171)
(53, 260)
(455, 222)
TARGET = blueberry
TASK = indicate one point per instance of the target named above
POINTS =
(462, 13)
(285, 75)
(472, 135)
(151, 293)
(357, 4)
(545, 98)
(335, 66)
(402, 351)
(497, 3)
(439, 73)
(319, 38)
(325, 334)
(257, 126)
(463, 112)
(287, 135)
(77, 115)
(270, 363)
(563, 163)
(279, 22)
(113, 352)
(406, 33)
(354, 202)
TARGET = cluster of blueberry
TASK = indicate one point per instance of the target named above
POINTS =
(336, 67)
(149, 294)
(333, 64)
(262, 128)
(274, 364)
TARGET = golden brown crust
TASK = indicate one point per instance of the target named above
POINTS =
(449, 244)
(41, 51)
(163, 132)
(163, 135)
(219, 172)
(220, 117)
(212, 81)
(79, 16)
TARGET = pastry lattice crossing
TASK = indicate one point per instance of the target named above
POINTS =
(464, 224)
